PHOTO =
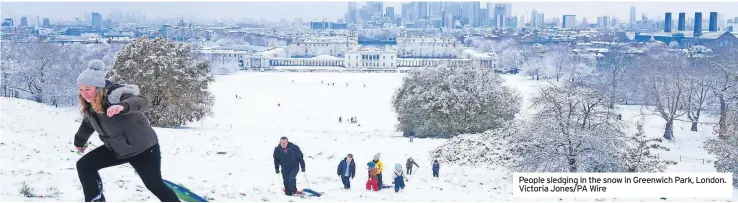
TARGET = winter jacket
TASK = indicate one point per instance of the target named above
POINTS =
(412, 133)
(342, 168)
(288, 157)
(379, 164)
(399, 173)
(410, 163)
(127, 133)
(373, 173)
(436, 166)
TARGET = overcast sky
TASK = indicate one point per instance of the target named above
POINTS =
(273, 11)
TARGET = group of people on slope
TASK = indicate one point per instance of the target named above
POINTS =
(116, 113)
(347, 170)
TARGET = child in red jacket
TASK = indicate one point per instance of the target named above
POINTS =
(372, 183)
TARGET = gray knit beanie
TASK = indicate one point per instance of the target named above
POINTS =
(94, 75)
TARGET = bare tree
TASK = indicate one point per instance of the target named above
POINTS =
(570, 133)
(723, 70)
(561, 59)
(665, 86)
(612, 70)
(698, 87)
(640, 153)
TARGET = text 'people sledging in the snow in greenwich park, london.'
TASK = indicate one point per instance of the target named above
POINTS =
(116, 113)
(347, 170)
(290, 158)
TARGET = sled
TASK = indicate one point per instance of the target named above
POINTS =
(183, 193)
(307, 193)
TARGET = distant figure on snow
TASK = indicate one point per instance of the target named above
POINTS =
(289, 157)
(399, 178)
(409, 164)
(346, 170)
(116, 112)
(411, 134)
(436, 168)
(279, 104)
(339, 119)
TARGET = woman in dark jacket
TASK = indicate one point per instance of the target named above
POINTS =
(116, 113)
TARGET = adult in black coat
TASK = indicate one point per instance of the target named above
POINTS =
(346, 170)
(289, 157)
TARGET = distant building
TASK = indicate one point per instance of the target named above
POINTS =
(569, 21)
(96, 21)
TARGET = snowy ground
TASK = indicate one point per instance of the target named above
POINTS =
(36, 145)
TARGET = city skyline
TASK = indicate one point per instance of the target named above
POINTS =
(331, 11)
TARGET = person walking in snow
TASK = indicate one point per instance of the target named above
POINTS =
(339, 119)
(116, 113)
(289, 157)
(436, 168)
(399, 178)
(411, 134)
(409, 164)
(346, 170)
(373, 182)
(379, 171)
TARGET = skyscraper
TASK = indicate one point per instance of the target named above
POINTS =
(47, 23)
(422, 9)
(632, 14)
(96, 21)
(533, 15)
(24, 22)
(351, 16)
(390, 12)
(499, 16)
(667, 22)
(569, 21)
(435, 9)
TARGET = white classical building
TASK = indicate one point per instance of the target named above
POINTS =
(480, 60)
(323, 45)
(371, 58)
(427, 47)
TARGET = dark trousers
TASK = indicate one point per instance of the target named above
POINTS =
(409, 171)
(289, 176)
(435, 173)
(379, 180)
(346, 182)
(146, 164)
(399, 183)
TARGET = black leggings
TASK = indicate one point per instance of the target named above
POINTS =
(146, 164)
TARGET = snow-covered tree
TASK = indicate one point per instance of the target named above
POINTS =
(698, 89)
(571, 132)
(169, 76)
(665, 84)
(487, 148)
(512, 59)
(726, 152)
(612, 71)
(447, 101)
(561, 60)
(723, 71)
(534, 67)
(641, 153)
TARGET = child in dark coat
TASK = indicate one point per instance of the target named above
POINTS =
(436, 168)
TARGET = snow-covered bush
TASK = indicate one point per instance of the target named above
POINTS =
(726, 152)
(169, 77)
(447, 101)
(489, 147)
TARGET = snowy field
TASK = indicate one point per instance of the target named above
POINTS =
(36, 145)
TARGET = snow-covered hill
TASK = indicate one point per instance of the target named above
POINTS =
(36, 145)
